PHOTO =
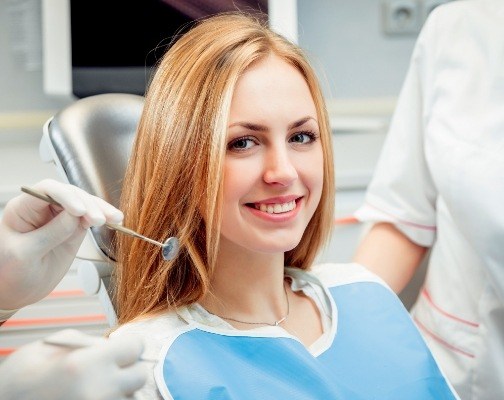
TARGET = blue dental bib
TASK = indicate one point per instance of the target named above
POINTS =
(376, 353)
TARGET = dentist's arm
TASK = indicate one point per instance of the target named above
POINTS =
(39, 241)
(390, 254)
(106, 370)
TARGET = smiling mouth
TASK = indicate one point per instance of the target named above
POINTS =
(277, 208)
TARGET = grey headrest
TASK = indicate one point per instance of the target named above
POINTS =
(92, 139)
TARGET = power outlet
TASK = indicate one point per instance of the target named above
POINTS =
(401, 17)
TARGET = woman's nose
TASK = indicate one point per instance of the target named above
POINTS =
(279, 168)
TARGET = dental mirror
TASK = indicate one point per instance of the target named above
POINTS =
(169, 249)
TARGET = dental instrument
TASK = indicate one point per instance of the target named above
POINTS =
(79, 342)
(169, 248)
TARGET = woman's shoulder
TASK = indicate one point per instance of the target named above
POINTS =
(336, 274)
(154, 331)
(153, 327)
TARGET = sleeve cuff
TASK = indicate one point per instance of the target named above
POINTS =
(423, 235)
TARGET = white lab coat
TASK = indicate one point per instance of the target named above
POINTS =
(440, 180)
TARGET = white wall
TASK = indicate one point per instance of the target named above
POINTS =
(345, 38)
(21, 57)
(23, 105)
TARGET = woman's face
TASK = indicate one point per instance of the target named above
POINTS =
(273, 172)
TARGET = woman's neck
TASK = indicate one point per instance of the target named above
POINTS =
(247, 286)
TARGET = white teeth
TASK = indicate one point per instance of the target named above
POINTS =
(277, 208)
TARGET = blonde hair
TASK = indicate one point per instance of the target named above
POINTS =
(176, 167)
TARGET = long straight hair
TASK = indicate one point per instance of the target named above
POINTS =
(176, 167)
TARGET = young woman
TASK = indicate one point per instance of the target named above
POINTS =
(233, 156)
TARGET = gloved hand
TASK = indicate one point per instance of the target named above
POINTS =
(106, 370)
(39, 241)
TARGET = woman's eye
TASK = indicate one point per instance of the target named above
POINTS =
(303, 137)
(241, 144)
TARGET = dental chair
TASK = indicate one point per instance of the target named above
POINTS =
(90, 142)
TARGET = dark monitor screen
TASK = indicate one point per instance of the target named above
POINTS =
(103, 46)
(116, 44)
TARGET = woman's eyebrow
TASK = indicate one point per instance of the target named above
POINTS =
(261, 128)
(300, 122)
(250, 126)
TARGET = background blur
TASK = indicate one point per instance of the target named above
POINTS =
(361, 50)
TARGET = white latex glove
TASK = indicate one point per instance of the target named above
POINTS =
(39, 241)
(106, 370)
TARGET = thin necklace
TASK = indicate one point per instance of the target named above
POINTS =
(276, 323)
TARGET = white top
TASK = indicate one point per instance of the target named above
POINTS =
(155, 331)
(440, 180)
